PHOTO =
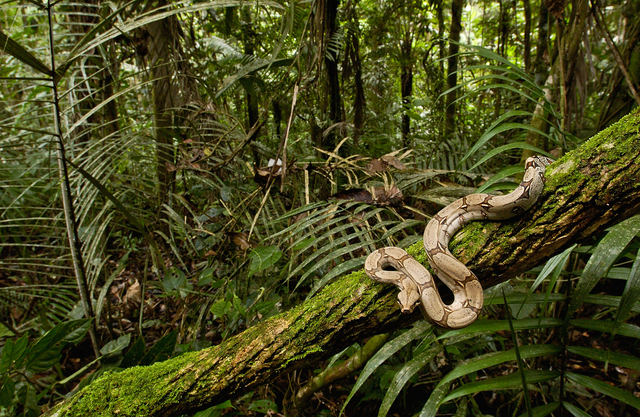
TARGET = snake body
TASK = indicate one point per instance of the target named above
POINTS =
(416, 284)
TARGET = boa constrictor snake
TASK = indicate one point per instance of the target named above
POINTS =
(416, 284)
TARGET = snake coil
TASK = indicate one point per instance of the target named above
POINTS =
(416, 284)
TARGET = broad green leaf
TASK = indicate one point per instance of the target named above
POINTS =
(402, 376)
(214, 411)
(263, 406)
(508, 147)
(134, 354)
(116, 346)
(511, 381)
(174, 279)
(496, 358)
(40, 355)
(7, 392)
(300, 210)
(497, 128)
(12, 352)
(574, 410)
(162, 350)
(490, 326)
(606, 389)
(624, 329)
(521, 298)
(157, 14)
(304, 243)
(503, 173)
(603, 258)
(16, 50)
(553, 265)
(419, 331)
(616, 358)
(631, 293)
(435, 399)
(76, 334)
(400, 226)
(220, 308)
(263, 257)
(609, 301)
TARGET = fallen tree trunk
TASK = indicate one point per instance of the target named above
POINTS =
(587, 191)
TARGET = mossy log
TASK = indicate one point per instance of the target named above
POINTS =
(588, 190)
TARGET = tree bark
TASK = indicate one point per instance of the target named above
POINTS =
(406, 83)
(587, 191)
(452, 70)
(333, 74)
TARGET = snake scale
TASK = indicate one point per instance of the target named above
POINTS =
(416, 284)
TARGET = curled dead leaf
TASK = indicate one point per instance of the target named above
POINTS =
(241, 240)
(394, 162)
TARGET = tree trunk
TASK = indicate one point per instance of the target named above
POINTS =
(406, 83)
(452, 70)
(333, 75)
(589, 190)
(526, 45)
(160, 41)
(541, 64)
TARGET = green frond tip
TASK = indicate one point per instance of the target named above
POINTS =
(17, 51)
(295, 358)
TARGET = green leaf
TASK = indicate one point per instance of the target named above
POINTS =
(625, 329)
(496, 358)
(520, 298)
(507, 147)
(402, 376)
(135, 353)
(496, 128)
(220, 308)
(43, 353)
(419, 331)
(490, 326)
(606, 389)
(574, 410)
(214, 411)
(503, 173)
(304, 243)
(262, 258)
(554, 265)
(542, 410)
(206, 278)
(174, 280)
(77, 334)
(616, 358)
(116, 346)
(602, 258)
(7, 392)
(162, 350)
(263, 406)
(435, 399)
(511, 381)
(12, 352)
(16, 50)
(631, 293)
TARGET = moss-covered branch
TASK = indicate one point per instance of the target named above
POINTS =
(587, 191)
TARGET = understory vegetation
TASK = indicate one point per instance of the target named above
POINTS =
(173, 173)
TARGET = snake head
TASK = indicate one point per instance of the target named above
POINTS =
(409, 296)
